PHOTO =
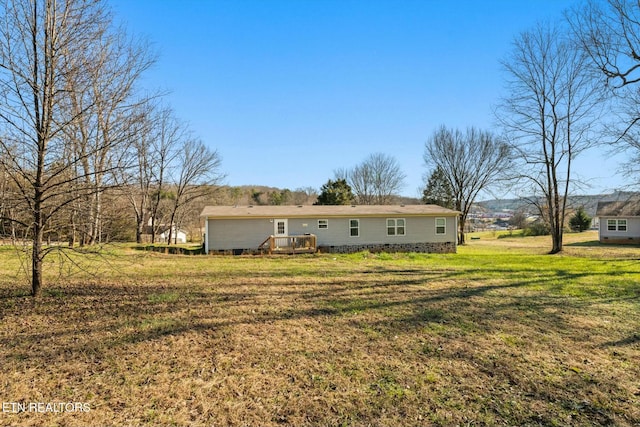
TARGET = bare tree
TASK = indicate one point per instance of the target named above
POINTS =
(8, 200)
(106, 115)
(14, 215)
(548, 113)
(44, 47)
(169, 134)
(137, 181)
(374, 181)
(471, 162)
(197, 171)
(305, 196)
(360, 179)
(608, 32)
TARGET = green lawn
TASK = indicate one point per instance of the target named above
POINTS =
(498, 334)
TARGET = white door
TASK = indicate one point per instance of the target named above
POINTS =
(280, 228)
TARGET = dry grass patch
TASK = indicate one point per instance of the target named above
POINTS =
(488, 336)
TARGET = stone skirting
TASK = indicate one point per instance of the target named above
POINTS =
(235, 252)
(432, 248)
(620, 240)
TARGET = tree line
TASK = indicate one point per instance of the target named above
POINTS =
(76, 128)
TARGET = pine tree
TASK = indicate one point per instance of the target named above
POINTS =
(438, 190)
(580, 221)
(336, 192)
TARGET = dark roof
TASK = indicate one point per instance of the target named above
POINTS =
(619, 208)
(315, 211)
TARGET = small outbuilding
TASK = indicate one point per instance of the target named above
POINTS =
(619, 221)
(334, 229)
(178, 236)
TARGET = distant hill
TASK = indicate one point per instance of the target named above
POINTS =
(258, 194)
(264, 195)
(589, 202)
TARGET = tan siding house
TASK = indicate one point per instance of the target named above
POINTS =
(619, 222)
(415, 228)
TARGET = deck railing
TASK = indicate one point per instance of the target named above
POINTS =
(289, 244)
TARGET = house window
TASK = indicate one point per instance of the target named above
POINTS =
(354, 227)
(441, 225)
(617, 225)
(323, 224)
(395, 227)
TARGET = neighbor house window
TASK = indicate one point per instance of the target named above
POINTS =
(441, 225)
(617, 225)
(395, 227)
(323, 224)
(354, 227)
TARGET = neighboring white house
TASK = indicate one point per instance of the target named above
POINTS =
(619, 221)
(177, 235)
(340, 229)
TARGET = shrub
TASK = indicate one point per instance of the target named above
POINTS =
(537, 228)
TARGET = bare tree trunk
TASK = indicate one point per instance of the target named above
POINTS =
(38, 228)
(95, 218)
(139, 228)
(72, 232)
(461, 223)
(171, 222)
(36, 265)
(153, 229)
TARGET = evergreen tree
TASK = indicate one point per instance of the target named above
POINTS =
(580, 221)
(336, 192)
(438, 190)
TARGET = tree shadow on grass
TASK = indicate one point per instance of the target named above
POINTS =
(398, 299)
(105, 321)
(628, 341)
(589, 243)
(238, 287)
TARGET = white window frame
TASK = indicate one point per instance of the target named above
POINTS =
(357, 228)
(392, 225)
(619, 225)
(443, 226)
(323, 224)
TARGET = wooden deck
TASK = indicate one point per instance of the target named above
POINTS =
(305, 244)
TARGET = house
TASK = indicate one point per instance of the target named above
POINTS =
(335, 229)
(619, 221)
(177, 235)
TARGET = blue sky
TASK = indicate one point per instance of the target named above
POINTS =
(289, 90)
